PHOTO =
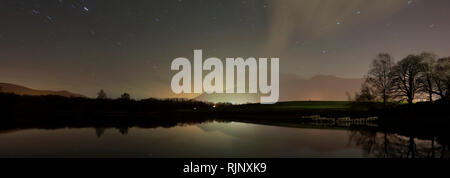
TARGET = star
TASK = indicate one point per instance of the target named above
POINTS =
(35, 12)
(48, 20)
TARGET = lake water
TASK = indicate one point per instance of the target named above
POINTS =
(211, 139)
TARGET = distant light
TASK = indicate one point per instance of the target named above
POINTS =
(85, 9)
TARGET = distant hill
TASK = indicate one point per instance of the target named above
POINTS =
(21, 90)
(318, 88)
(296, 88)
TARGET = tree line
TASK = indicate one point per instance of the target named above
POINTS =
(102, 95)
(424, 75)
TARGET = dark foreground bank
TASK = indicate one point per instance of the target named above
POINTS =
(20, 112)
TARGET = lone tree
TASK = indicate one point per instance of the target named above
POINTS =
(379, 76)
(365, 95)
(405, 75)
(442, 78)
(101, 95)
(125, 96)
(428, 75)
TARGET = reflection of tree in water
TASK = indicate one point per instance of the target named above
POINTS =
(123, 130)
(387, 145)
(99, 131)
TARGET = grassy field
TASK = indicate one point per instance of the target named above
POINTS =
(298, 105)
(312, 105)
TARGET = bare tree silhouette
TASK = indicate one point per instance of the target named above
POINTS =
(125, 96)
(379, 77)
(102, 95)
(427, 76)
(442, 78)
(366, 94)
(405, 75)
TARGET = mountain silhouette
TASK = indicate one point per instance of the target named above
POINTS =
(21, 90)
(296, 88)
(318, 88)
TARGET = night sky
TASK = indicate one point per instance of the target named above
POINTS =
(127, 45)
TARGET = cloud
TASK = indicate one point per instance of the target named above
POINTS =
(309, 19)
(297, 88)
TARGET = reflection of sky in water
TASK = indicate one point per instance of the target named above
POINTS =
(203, 140)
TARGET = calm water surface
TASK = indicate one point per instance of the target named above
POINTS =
(212, 139)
